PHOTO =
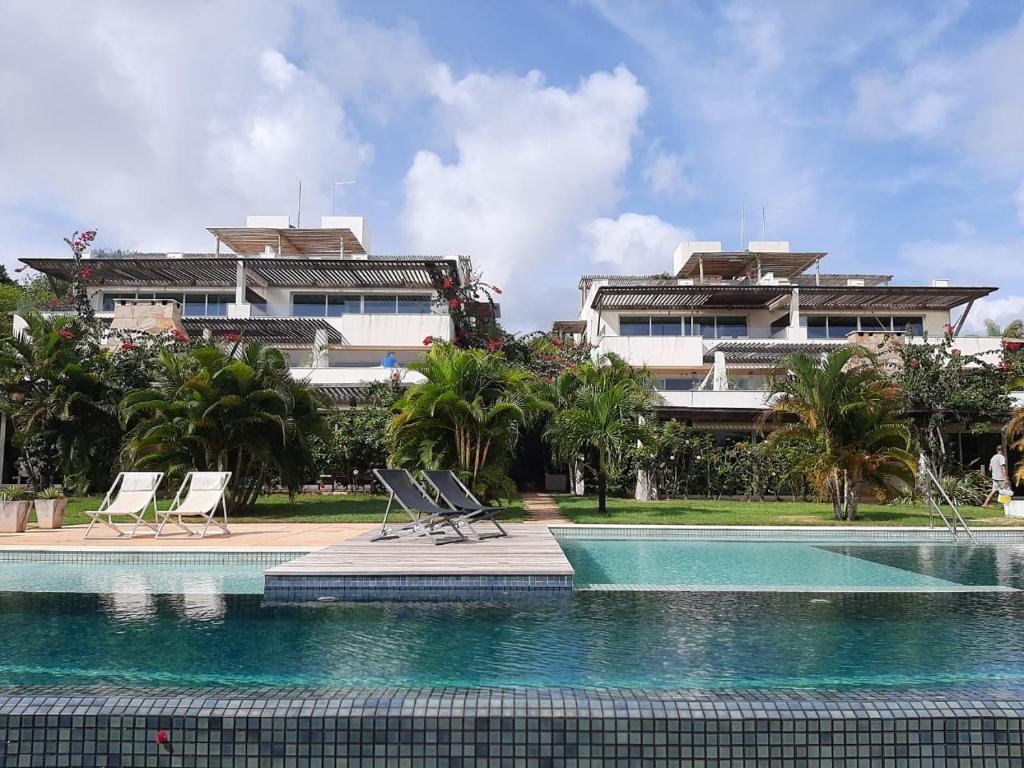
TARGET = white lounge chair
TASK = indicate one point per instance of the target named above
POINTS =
(135, 492)
(203, 494)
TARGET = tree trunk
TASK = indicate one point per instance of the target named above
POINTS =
(602, 484)
(852, 497)
(836, 492)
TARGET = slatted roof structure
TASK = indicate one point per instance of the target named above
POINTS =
(569, 326)
(733, 264)
(299, 331)
(832, 279)
(288, 241)
(763, 353)
(750, 296)
(349, 394)
(405, 272)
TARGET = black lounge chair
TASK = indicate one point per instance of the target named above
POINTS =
(428, 519)
(457, 496)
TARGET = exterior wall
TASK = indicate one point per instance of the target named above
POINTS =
(353, 375)
(388, 331)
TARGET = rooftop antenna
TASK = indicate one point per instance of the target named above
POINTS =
(764, 218)
(334, 195)
(298, 215)
(742, 222)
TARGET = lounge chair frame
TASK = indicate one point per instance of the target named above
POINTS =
(453, 491)
(138, 516)
(426, 517)
(209, 517)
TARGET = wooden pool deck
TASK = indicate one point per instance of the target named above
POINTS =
(526, 563)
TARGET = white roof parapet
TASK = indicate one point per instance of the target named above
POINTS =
(686, 249)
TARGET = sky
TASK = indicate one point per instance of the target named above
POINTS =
(547, 139)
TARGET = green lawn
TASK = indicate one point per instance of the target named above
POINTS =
(307, 508)
(710, 512)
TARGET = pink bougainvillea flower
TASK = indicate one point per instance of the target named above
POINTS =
(428, 340)
(453, 303)
(128, 345)
(496, 289)
(231, 336)
(447, 283)
(66, 333)
(955, 352)
(915, 363)
(162, 737)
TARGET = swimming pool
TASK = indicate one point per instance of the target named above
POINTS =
(200, 621)
(781, 565)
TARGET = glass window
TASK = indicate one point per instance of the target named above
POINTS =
(839, 326)
(817, 327)
(732, 327)
(875, 324)
(704, 326)
(680, 383)
(912, 325)
(414, 305)
(308, 304)
(666, 326)
(374, 304)
(110, 298)
(195, 304)
(217, 304)
(634, 326)
(342, 304)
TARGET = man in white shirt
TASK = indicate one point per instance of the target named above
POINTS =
(1000, 478)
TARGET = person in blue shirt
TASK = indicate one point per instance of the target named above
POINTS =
(389, 361)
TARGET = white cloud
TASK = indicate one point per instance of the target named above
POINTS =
(970, 99)
(150, 122)
(666, 173)
(531, 161)
(633, 243)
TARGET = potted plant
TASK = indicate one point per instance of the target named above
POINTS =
(14, 509)
(50, 505)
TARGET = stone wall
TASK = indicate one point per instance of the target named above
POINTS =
(151, 316)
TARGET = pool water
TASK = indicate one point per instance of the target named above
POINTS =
(595, 639)
(777, 565)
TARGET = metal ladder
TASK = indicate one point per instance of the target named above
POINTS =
(957, 520)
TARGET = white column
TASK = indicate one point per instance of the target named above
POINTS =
(794, 309)
(3, 444)
(646, 487)
(720, 381)
(578, 485)
(319, 357)
(239, 282)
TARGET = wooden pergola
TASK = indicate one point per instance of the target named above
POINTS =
(287, 241)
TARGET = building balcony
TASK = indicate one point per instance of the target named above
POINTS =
(733, 399)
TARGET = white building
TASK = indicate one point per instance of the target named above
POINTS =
(713, 330)
(316, 293)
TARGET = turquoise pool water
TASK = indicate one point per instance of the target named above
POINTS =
(597, 639)
(199, 624)
(777, 565)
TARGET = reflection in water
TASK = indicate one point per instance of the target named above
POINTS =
(666, 640)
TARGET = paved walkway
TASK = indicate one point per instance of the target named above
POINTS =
(542, 509)
(299, 536)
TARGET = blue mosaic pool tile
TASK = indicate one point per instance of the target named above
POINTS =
(793, 534)
(308, 589)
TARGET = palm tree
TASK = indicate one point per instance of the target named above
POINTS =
(236, 410)
(600, 408)
(842, 409)
(466, 415)
(55, 385)
(1012, 330)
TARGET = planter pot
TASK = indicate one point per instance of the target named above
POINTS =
(14, 516)
(50, 512)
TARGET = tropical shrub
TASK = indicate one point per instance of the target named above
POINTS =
(600, 413)
(466, 415)
(846, 415)
(225, 408)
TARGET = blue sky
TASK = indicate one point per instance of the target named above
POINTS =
(547, 139)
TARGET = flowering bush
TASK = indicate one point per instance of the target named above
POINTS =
(471, 307)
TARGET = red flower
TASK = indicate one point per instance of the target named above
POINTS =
(494, 345)
(955, 352)
(178, 335)
(496, 289)
(949, 327)
(396, 376)
(85, 273)
(915, 363)
(548, 380)
(162, 737)
(1005, 366)
(447, 283)
(453, 303)
(231, 336)
(428, 340)
(557, 342)
(66, 333)
(1012, 346)
(127, 345)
